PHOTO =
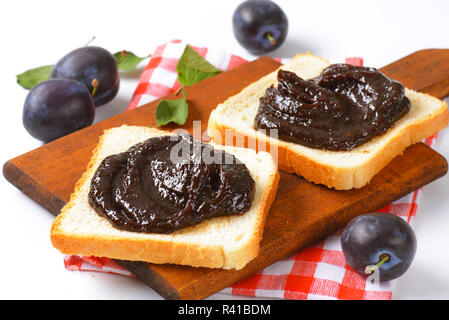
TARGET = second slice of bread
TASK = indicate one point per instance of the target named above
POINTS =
(341, 170)
(224, 242)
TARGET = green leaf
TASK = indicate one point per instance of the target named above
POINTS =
(127, 60)
(193, 68)
(172, 111)
(32, 77)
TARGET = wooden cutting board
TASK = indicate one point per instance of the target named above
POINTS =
(301, 213)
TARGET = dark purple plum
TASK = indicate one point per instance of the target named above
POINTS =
(57, 107)
(369, 238)
(260, 26)
(90, 65)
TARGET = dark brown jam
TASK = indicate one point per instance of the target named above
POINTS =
(167, 183)
(342, 108)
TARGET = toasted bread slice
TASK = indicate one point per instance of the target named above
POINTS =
(224, 242)
(341, 170)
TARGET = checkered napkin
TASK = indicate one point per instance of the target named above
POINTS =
(317, 272)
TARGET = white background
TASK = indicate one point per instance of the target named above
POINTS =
(35, 33)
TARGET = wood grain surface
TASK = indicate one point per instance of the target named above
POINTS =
(301, 213)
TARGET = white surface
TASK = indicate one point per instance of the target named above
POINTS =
(36, 33)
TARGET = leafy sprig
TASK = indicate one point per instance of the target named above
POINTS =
(192, 68)
(172, 110)
(126, 60)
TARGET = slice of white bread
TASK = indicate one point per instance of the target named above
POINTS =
(341, 170)
(224, 242)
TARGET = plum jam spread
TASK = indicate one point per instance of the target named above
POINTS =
(341, 109)
(170, 182)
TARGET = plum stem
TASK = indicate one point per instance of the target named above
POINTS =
(383, 258)
(95, 87)
(270, 37)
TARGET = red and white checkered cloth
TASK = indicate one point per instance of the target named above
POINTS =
(317, 272)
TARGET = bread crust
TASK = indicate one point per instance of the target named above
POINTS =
(154, 250)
